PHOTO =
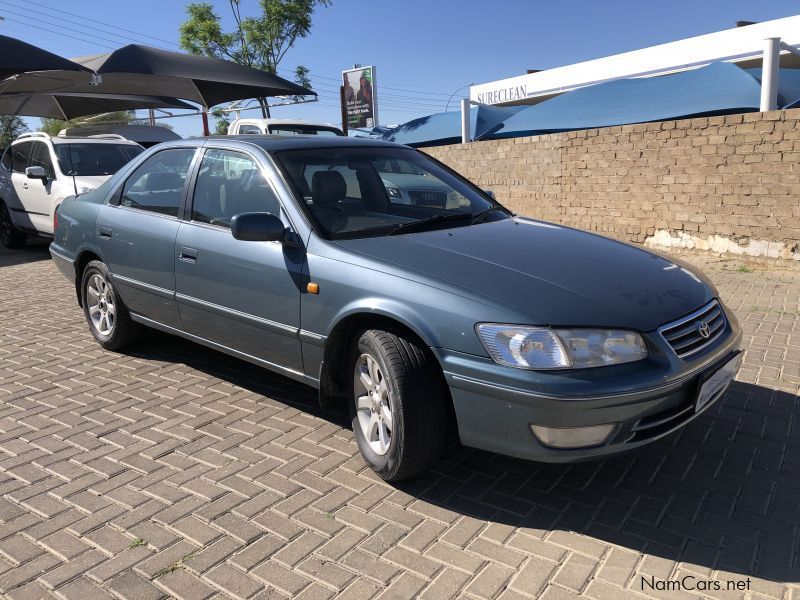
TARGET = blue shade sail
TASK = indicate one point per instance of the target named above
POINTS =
(719, 88)
(788, 86)
(445, 127)
(368, 132)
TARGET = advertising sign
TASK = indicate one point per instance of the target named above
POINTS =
(360, 102)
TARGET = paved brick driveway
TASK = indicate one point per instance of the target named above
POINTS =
(176, 471)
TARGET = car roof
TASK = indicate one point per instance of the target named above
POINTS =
(297, 142)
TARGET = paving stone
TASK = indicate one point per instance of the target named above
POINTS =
(326, 572)
(54, 577)
(31, 591)
(184, 586)
(119, 563)
(369, 566)
(144, 476)
(490, 581)
(257, 552)
(233, 581)
(286, 580)
(82, 589)
(130, 586)
(64, 545)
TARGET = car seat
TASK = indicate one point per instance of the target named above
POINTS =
(328, 189)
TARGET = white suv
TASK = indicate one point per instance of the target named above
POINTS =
(281, 127)
(38, 171)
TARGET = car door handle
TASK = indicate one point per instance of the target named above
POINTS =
(188, 255)
(25, 185)
(104, 233)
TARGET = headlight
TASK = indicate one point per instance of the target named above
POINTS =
(545, 348)
(394, 192)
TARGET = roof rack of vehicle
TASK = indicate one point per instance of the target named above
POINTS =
(108, 136)
(30, 134)
(64, 133)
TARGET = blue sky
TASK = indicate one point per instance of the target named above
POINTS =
(423, 49)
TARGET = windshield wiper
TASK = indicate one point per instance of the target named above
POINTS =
(423, 224)
(481, 216)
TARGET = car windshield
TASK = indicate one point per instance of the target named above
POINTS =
(303, 130)
(87, 160)
(361, 192)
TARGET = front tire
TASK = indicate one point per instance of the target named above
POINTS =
(106, 314)
(10, 236)
(397, 405)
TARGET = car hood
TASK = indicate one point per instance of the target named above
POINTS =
(555, 275)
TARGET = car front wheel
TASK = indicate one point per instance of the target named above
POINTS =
(398, 405)
(10, 236)
(106, 314)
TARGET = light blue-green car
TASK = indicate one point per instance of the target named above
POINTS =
(423, 319)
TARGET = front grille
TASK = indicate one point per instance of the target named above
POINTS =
(432, 199)
(685, 336)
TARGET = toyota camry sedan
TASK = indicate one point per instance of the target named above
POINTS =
(425, 320)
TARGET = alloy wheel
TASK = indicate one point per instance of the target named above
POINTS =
(373, 404)
(102, 310)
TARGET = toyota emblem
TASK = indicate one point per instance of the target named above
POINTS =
(703, 330)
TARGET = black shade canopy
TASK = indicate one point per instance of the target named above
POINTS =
(69, 105)
(138, 69)
(18, 57)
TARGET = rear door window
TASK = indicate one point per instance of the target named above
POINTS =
(157, 184)
(22, 155)
(40, 157)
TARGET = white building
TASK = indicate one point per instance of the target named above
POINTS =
(767, 45)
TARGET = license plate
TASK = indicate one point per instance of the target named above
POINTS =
(717, 382)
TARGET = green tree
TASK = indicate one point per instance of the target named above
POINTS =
(10, 128)
(260, 42)
(222, 121)
(53, 126)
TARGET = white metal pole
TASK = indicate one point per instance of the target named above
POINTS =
(465, 133)
(769, 73)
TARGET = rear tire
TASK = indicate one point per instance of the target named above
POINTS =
(397, 405)
(107, 316)
(10, 236)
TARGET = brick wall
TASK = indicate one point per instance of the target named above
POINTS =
(727, 184)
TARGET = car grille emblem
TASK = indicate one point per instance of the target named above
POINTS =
(703, 330)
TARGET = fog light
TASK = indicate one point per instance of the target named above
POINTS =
(572, 437)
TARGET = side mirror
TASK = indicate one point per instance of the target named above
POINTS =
(258, 227)
(490, 193)
(37, 173)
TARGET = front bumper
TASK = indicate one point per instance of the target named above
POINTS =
(495, 408)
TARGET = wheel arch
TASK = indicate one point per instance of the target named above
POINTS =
(83, 258)
(333, 386)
